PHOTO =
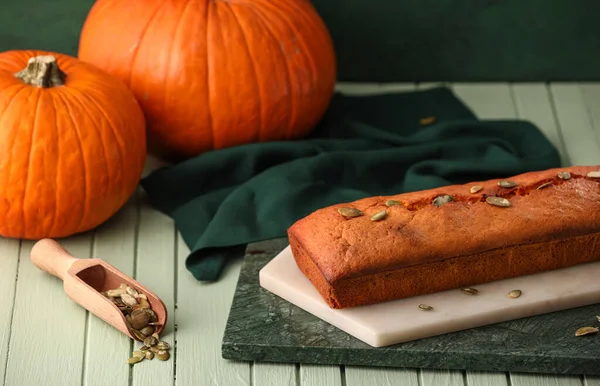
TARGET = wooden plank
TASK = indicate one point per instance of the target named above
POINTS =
(533, 102)
(9, 261)
(575, 124)
(483, 378)
(274, 374)
(357, 375)
(591, 100)
(156, 269)
(107, 349)
(361, 376)
(48, 329)
(591, 381)
(544, 380)
(372, 88)
(442, 378)
(487, 100)
(201, 316)
(317, 375)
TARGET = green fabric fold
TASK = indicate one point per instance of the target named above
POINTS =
(364, 146)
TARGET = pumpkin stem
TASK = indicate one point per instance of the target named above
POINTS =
(42, 71)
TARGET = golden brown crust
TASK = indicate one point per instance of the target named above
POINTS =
(420, 248)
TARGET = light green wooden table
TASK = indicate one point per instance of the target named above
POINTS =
(47, 340)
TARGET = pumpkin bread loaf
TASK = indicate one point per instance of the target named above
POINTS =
(450, 237)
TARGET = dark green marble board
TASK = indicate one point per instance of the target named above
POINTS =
(264, 327)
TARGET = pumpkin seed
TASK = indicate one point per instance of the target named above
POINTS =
(132, 291)
(507, 184)
(426, 121)
(392, 203)
(163, 345)
(475, 188)
(150, 341)
(350, 212)
(113, 293)
(162, 355)
(544, 185)
(129, 300)
(586, 331)
(425, 307)
(498, 201)
(139, 320)
(138, 334)
(595, 174)
(598, 317)
(147, 331)
(442, 200)
(564, 175)
(379, 216)
(134, 360)
(470, 291)
(514, 294)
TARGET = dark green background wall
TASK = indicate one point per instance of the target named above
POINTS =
(397, 40)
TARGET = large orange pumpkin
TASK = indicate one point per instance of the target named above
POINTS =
(211, 74)
(72, 145)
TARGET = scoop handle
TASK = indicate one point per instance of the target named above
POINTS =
(48, 255)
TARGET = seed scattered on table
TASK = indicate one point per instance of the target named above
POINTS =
(426, 121)
(425, 307)
(470, 291)
(514, 294)
(141, 320)
(586, 331)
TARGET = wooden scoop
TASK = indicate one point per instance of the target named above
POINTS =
(85, 279)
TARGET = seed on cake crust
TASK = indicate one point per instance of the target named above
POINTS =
(442, 200)
(475, 188)
(425, 307)
(498, 201)
(507, 184)
(470, 291)
(594, 174)
(544, 185)
(379, 216)
(392, 203)
(586, 331)
(564, 175)
(514, 294)
(349, 212)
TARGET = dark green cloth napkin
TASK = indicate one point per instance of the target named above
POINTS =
(364, 146)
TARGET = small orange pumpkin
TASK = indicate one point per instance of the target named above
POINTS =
(211, 74)
(72, 145)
